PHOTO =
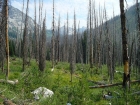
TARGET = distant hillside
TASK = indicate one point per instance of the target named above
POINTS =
(15, 22)
(130, 20)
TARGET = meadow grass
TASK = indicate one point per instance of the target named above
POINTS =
(76, 92)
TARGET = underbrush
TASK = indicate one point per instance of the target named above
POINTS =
(76, 92)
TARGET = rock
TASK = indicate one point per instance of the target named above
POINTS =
(42, 91)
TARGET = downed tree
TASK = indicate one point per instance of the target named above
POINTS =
(98, 83)
(109, 85)
(9, 81)
(138, 93)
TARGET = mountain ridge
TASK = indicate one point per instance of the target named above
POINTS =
(16, 22)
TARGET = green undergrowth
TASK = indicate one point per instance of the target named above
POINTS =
(76, 92)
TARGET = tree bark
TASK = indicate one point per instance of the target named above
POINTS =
(6, 36)
(126, 76)
(91, 38)
(53, 44)
(42, 52)
(25, 49)
(36, 37)
(138, 34)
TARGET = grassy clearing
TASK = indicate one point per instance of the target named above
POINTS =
(77, 92)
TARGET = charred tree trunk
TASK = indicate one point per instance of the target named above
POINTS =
(25, 48)
(30, 47)
(138, 34)
(109, 50)
(6, 36)
(42, 51)
(64, 44)
(2, 35)
(91, 38)
(126, 76)
(36, 37)
(58, 42)
(21, 33)
(53, 37)
(73, 49)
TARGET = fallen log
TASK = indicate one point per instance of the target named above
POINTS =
(9, 81)
(138, 93)
(98, 83)
(109, 85)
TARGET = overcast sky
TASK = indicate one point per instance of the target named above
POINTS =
(64, 6)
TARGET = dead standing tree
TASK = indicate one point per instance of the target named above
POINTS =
(2, 34)
(53, 38)
(138, 34)
(109, 49)
(58, 42)
(6, 36)
(21, 32)
(91, 38)
(73, 49)
(126, 76)
(67, 38)
(25, 49)
(64, 44)
(42, 51)
(99, 39)
(36, 37)
(4, 31)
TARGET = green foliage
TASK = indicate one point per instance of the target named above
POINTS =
(76, 92)
(11, 48)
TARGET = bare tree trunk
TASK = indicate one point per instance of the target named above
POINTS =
(138, 34)
(88, 39)
(94, 33)
(73, 49)
(42, 52)
(58, 42)
(126, 78)
(2, 35)
(30, 48)
(91, 38)
(25, 49)
(36, 37)
(67, 38)
(64, 44)
(114, 53)
(109, 50)
(21, 32)
(58, 39)
(99, 39)
(53, 44)
(74, 44)
(6, 36)
(17, 43)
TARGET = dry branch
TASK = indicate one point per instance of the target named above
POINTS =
(109, 85)
(9, 81)
(138, 93)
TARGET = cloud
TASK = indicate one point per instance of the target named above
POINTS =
(64, 6)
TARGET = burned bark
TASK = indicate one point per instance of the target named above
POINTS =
(126, 76)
